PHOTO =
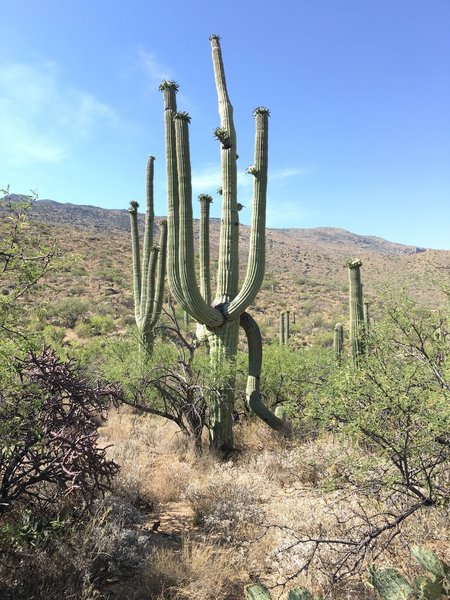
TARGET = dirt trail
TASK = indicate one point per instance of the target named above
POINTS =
(172, 519)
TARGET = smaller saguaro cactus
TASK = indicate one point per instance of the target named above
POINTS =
(338, 342)
(356, 306)
(282, 328)
(148, 273)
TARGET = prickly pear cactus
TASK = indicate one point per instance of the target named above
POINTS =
(389, 583)
(257, 591)
(392, 585)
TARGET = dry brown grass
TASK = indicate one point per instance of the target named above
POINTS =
(244, 516)
(222, 524)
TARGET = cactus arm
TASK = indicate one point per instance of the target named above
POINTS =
(228, 267)
(148, 232)
(256, 259)
(137, 275)
(254, 401)
(156, 274)
(205, 276)
(169, 90)
(191, 300)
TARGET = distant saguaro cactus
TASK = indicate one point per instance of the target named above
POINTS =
(222, 317)
(282, 328)
(357, 342)
(338, 342)
(148, 274)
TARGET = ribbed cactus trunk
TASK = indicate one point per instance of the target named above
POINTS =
(148, 274)
(220, 320)
(356, 305)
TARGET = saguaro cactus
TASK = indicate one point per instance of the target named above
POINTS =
(148, 275)
(338, 342)
(221, 318)
(282, 328)
(356, 310)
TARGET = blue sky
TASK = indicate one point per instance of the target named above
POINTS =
(359, 93)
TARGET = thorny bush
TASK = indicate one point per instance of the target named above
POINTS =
(48, 434)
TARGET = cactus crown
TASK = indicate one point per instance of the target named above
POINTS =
(221, 134)
(133, 206)
(353, 263)
(163, 223)
(214, 36)
(261, 110)
(204, 198)
(168, 85)
(182, 116)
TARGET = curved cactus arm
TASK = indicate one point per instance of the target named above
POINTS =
(137, 275)
(228, 267)
(191, 300)
(254, 401)
(256, 258)
(169, 90)
(205, 275)
(157, 273)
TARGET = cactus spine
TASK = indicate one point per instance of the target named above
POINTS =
(221, 318)
(356, 311)
(148, 274)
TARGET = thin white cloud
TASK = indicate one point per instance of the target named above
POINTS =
(208, 178)
(285, 213)
(154, 69)
(41, 118)
(287, 173)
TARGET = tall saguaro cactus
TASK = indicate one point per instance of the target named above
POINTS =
(148, 274)
(357, 342)
(220, 318)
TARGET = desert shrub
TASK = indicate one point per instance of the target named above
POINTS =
(48, 435)
(96, 325)
(68, 312)
(224, 507)
(81, 559)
